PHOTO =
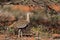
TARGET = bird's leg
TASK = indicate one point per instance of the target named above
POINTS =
(21, 35)
(19, 31)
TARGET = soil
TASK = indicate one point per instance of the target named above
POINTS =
(14, 37)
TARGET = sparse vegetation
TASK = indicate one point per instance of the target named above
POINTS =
(44, 22)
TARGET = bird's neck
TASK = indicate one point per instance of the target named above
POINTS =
(28, 17)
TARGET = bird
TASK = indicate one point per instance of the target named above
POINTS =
(21, 24)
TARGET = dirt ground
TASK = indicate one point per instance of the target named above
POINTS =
(6, 37)
(14, 37)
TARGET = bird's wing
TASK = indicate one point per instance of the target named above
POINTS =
(19, 24)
